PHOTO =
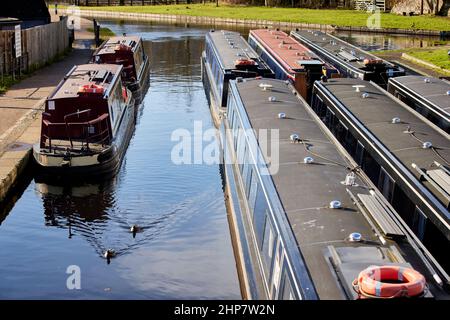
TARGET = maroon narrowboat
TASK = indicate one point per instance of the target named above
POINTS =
(129, 52)
(290, 60)
(87, 124)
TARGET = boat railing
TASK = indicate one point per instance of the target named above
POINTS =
(78, 134)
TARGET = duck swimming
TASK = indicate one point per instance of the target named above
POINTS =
(108, 254)
(135, 229)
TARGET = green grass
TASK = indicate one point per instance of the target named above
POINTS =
(438, 57)
(330, 17)
(6, 82)
(104, 32)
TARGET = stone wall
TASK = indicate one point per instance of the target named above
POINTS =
(414, 6)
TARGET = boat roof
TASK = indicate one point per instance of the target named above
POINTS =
(403, 140)
(109, 46)
(104, 75)
(285, 49)
(338, 48)
(231, 46)
(432, 90)
(306, 190)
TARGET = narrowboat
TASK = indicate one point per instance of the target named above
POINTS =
(351, 61)
(227, 55)
(289, 59)
(87, 124)
(308, 223)
(405, 155)
(129, 52)
(428, 96)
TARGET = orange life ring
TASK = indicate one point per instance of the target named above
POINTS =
(244, 62)
(124, 93)
(373, 61)
(91, 88)
(122, 47)
(390, 282)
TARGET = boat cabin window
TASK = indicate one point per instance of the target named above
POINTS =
(419, 223)
(253, 190)
(371, 167)
(138, 58)
(259, 216)
(116, 104)
(248, 172)
(350, 143)
(286, 288)
(359, 153)
(268, 247)
(318, 106)
(386, 185)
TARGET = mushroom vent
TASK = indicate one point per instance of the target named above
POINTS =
(335, 204)
(355, 237)
(308, 160)
(427, 145)
(295, 137)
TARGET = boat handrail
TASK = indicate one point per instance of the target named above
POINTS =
(102, 137)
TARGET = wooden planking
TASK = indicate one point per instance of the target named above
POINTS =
(40, 44)
(441, 178)
(381, 216)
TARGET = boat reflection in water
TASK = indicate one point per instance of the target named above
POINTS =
(90, 211)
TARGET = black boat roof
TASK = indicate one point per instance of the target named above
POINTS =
(403, 140)
(341, 50)
(431, 91)
(231, 46)
(306, 190)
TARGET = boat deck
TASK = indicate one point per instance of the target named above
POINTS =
(306, 190)
(336, 47)
(87, 74)
(289, 52)
(110, 45)
(431, 91)
(230, 46)
(403, 140)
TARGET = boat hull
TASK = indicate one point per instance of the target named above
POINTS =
(88, 167)
(139, 88)
(212, 93)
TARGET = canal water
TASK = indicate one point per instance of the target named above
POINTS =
(184, 249)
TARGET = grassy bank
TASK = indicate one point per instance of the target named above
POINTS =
(439, 57)
(6, 82)
(104, 32)
(435, 55)
(330, 17)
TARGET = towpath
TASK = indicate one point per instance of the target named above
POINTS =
(22, 104)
